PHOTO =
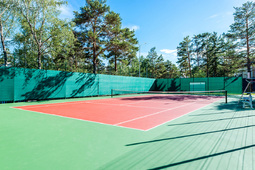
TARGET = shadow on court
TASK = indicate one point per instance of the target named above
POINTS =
(216, 136)
(203, 157)
(192, 151)
(174, 97)
(191, 135)
(182, 152)
(212, 120)
(233, 105)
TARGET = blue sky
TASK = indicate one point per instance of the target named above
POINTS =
(164, 23)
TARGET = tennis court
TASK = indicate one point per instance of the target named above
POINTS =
(210, 134)
(121, 129)
(141, 112)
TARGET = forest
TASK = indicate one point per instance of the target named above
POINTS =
(95, 41)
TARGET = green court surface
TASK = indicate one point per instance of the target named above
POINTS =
(217, 136)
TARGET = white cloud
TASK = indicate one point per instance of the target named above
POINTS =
(66, 11)
(169, 55)
(213, 16)
(229, 13)
(144, 54)
(220, 15)
(167, 51)
(133, 27)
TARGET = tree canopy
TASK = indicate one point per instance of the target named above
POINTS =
(34, 36)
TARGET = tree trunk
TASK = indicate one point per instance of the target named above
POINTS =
(3, 44)
(94, 61)
(94, 66)
(115, 63)
(94, 47)
(39, 60)
(189, 65)
(198, 64)
(207, 67)
(39, 57)
(248, 48)
(76, 65)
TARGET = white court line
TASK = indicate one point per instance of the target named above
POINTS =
(153, 114)
(91, 121)
(126, 105)
(91, 101)
(130, 106)
(67, 103)
(50, 104)
(118, 104)
(182, 115)
(116, 125)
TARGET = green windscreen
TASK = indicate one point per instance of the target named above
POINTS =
(108, 82)
(231, 84)
(7, 84)
(197, 86)
(18, 84)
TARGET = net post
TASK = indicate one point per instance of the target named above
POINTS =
(111, 93)
(226, 96)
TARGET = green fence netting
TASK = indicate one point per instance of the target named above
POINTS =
(231, 84)
(7, 84)
(19, 84)
(108, 82)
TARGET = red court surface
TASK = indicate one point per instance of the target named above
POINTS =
(143, 113)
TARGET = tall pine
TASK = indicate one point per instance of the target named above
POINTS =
(122, 42)
(92, 29)
(184, 52)
(243, 29)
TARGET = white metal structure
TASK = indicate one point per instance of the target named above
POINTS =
(246, 96)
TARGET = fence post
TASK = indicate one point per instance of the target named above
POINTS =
(98, 79)
(14, 85)
(224, 80)
(208, 83)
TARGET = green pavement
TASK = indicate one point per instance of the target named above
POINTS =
(218, 136)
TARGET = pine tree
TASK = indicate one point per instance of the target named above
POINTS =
(184, 52)
(152, 57)
(243, 29)
(171, 70)
(122, 42)
(92, 28)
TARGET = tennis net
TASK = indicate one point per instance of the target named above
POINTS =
(194, 94)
